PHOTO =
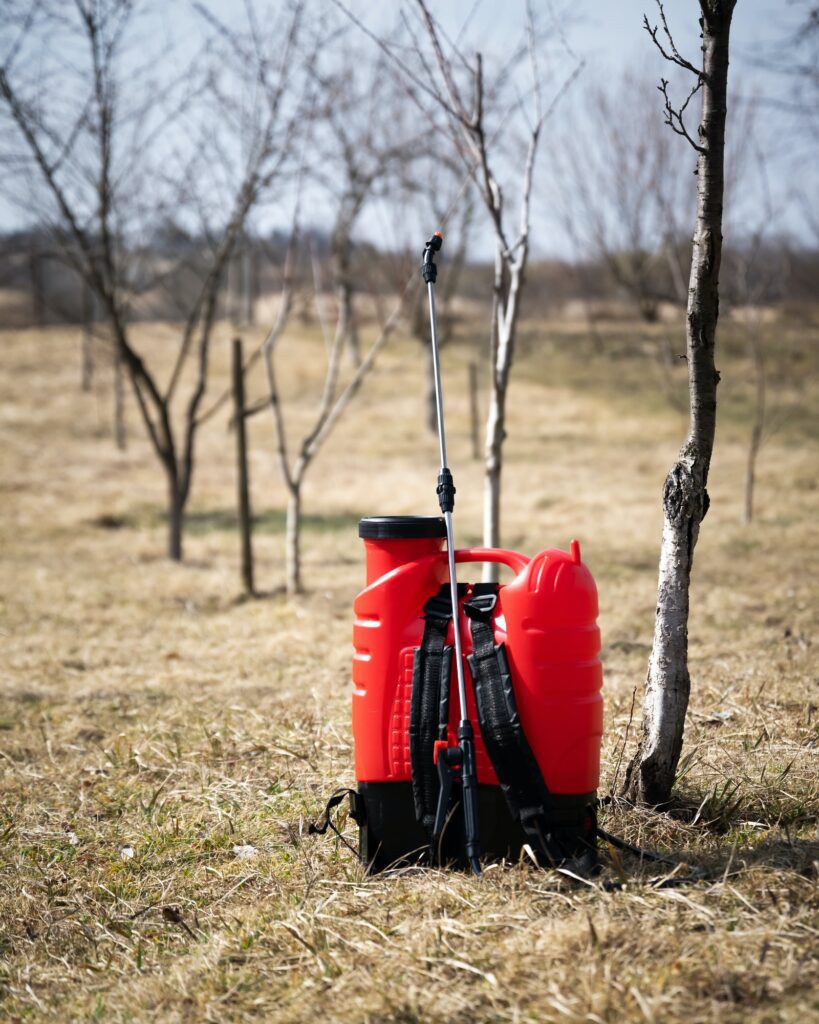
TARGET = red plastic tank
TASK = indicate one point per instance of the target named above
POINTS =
(547, 616)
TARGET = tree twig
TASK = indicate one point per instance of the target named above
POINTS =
(674, 117)
(673, 56)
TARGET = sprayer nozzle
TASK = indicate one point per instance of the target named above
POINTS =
(428, 269)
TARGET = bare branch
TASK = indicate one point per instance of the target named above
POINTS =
(530, 43)
(673, 56)
(418, 82)
(25, 28)
(267, 350)
(444, 65)
(308, 446)
(674, 117)
(355, 383)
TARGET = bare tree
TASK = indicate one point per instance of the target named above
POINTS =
(481, 130)
(480, 148)
(651, 773)
(331, 405)
(104, 159)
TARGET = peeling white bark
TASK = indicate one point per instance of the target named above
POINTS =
(505, 317)
(651, 774)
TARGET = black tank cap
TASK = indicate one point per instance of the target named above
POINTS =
(401, 527)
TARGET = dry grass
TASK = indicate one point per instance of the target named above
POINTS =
(145, 708)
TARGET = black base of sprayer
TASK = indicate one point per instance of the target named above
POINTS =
(390, 837)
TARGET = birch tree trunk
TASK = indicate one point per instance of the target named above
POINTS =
(651, 773)
(493, 445)
(506, 308)
(493, 464)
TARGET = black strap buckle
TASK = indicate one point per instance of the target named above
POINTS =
(439, 607)
(481, 605)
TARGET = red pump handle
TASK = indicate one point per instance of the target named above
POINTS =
(514, 559)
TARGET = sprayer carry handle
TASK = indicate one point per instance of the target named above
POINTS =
(516, 561)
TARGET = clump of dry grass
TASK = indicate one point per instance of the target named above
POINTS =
(163, 744)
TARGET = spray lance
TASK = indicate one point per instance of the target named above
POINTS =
(447, 758)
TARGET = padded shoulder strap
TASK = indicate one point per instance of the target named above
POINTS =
(429, 704)
(515, 765)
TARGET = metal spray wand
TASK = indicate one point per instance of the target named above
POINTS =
(464, 753)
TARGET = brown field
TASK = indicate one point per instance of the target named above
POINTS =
(143, 705)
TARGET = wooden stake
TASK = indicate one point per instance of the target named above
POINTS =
(245, 523)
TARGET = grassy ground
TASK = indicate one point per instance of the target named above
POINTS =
(152, 724)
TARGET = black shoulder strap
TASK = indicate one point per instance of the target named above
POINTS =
(515, 765)
(429, 704)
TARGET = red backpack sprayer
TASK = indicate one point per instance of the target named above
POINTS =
(515, 763)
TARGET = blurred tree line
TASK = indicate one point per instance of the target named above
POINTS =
(40, 288)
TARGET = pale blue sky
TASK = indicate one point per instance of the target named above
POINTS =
(608, 35)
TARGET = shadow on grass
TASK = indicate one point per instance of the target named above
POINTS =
(728, 808)
(743, 845)
(788, 857)
(744, 842)
(799, 855)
